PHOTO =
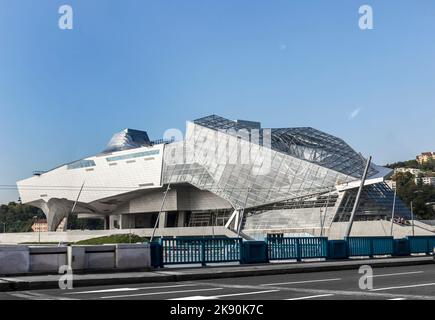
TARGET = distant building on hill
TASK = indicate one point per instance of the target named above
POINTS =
(427, 181)
(391, 183)
(425, 157)
(40, 225)
(413, 171)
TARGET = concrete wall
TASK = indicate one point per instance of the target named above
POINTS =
(14, 259)
(47, 259)
(133, 256)
(18, 259)
(106, 257)
(375, 228)
(359, 228)
(77, 235)
(92, 257)
(179, 198)
(191, 199)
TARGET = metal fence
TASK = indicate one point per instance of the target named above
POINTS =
(222, 249)
(369, 246)
(421, 244)
(297, 248)
(200, 250)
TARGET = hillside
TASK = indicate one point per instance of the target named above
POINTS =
(428, 166)
(421, 195)
(16, 217)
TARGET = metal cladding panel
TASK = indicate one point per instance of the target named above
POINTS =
(318, 147)
(103, 176)
(304, 143)
(127, 139)
(244, 173)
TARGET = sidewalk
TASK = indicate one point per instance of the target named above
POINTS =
(200, 273)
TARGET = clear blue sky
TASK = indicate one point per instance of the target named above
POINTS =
(152, 64)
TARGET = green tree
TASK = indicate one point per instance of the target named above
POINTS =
(420, 195)
(18, 217)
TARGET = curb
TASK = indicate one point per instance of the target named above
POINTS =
(172, 275)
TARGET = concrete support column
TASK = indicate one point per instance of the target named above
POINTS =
(106, 223)
(162, 220)
(181, 219)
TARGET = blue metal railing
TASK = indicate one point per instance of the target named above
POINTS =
(200, 250)
(369, 246)
(297, 248)
(421, 244)
(221, 249)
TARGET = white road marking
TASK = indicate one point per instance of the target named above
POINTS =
(132, 289)
(312, 297)
(359, 293)
(37, 296)
(298, 282)
(27, 296)
(195, 298)
(156, 293)
(397, 299)
(395, 274)
(404, 287)
(225, 295)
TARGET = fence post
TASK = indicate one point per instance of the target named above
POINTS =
(346, 239)
(241, 251)
(161, 252)
(156, 255)
(203, 252)
(267, 248)
(298, 250)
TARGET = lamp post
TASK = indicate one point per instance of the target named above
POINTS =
(412, 212)
(392, 211)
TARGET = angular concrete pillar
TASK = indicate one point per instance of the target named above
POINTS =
(162, 220)
(56, 210)
(106, 223)
(181, 219)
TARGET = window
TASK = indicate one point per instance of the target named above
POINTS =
(81, 164)
(133, 155)
(146, 184)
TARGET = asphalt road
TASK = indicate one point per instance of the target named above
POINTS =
(393, 283)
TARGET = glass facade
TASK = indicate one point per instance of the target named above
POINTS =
(376, 202)
(283, 178)
(245, 173)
